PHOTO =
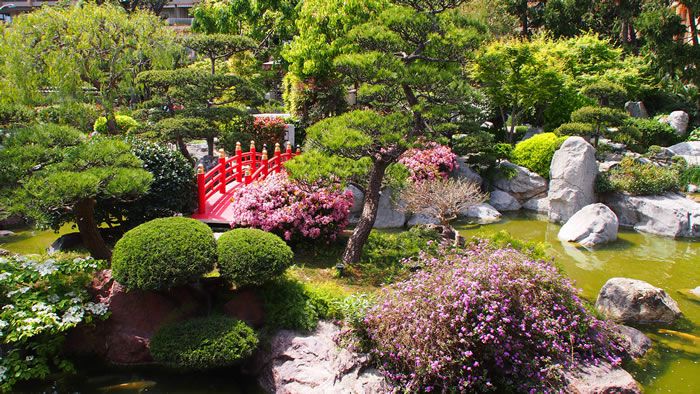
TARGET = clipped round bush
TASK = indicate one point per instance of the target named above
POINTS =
(249, 256)
(484, 320)
(650, 132)
(536, 153)
(198, 344)
(164, 253)
(124, 124)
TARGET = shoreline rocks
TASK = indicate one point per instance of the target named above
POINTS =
(601, 378)
(503, 201)
(572, 178)
(593, 225)
(632, 301)
(483, 213)
(524, 185)
(669, 214)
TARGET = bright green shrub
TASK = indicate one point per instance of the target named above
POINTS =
(289, 305)
(164, 253)
(536, 153)
(250, 256)
(694, 135)
(649, 132)
(124, 124)
(82, 116)
(639, 179)
(204, 343)
(690, 175)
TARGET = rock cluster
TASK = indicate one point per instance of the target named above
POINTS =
(669, 214)
(632, 301)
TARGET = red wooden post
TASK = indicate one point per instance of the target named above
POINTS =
(201, 191)
(222, 173)
(264, 164)
(288, 153)
(252, 156)
(278, 158)
(247, 177)
(239, 163)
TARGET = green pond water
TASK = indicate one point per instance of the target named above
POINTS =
(674, 265)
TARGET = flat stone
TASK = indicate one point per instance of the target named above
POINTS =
(635, 343)
(524, 185)
(503, 201)
(669, 214)
(6, 233)
(463, 171)
(572, 173)
(603, 378)
(689, 150)
(482, 213)
(593, 225)
(632, 301)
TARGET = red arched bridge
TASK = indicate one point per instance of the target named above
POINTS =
(216, 186)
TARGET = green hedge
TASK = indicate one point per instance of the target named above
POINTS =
(204, 343)
(82, 116)
(639, 179)
(164, 253)
(536, 153)
(124, 124)
(252, 257)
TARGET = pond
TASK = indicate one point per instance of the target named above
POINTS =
(672, 265)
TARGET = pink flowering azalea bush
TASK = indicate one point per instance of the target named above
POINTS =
(433, 162)
(283, 207)
(484, 319)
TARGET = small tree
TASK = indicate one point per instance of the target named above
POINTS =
(443, 199)
(57, 177)
(600, 118)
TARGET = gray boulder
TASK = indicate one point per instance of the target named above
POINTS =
(65, 243)
(632, 301)
(635, 343)
(524, 185)
(503, 201)
(689, 150)
(572, 173)
(678, 120)
(593, 225)
(481, 213)
(421, 219)
(463, 171)
(636, 109)
(358, 199)
(313, 363)
(601, 378)
(670, 214)
(539, 204)
(6, 233)
(388, 214)
(208, 162)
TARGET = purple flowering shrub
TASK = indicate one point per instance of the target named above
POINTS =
(434, 162)
(283, 207)
(484, 319)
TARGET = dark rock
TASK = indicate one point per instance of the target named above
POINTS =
(65, 243)
(246, 305)
(635, 343)
(636, 109)
(634, 301)
(208, 162)
(12, 221)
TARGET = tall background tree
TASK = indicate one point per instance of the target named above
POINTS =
(408, 64)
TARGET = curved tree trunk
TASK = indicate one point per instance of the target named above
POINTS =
(89, 232)
(210, 146)
(353, 251)
(111, 123)
(183, 149)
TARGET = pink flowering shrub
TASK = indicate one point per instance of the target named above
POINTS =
(281, 206)
(435, 161)
(485, 319)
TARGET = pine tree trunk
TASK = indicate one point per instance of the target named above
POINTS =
(111, 124)
(210, 146)
(89, 232)
(693, 27)
(353, 251)
(183, 149)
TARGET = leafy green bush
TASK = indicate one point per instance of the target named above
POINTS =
(42, 299)
(639, 179)
(480, 148)
(690, 175)
(694, 135)
(124, 124)
(204, 343)
(172, 192)
(12, 116)
(249, 257)
(238, 129)
(382, 255)
(536, 153)
(289, 305)
(82, 116)
(649, 132)
(164, 253)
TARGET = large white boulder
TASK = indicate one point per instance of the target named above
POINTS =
(539, 204)
(593, 225)
(481, 213)
(632, 301)
(678, 120)
(389, 215)
(670, 214)
(524, 185)
(572, 173)
(503, 201)
(358, 199)
(689, 150)
(313, 363)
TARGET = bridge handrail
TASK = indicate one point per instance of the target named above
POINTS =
(242, 168)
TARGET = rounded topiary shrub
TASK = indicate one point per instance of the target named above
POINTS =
(252, 257)
(536, 153)
(164, 253)
(125, 124)
(210, 342)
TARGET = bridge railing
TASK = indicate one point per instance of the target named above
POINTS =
(242, 168)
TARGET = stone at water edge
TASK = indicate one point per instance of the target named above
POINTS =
(524, 185)
(483, 213)
(632, 301)
(539, 204)
(602, 378)
(572, 179)
(635, 343)
(6, 233)
(313, 363)
(692, 294)
(503, 201)
(670, 214)
(421, 219)
(593, 225)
